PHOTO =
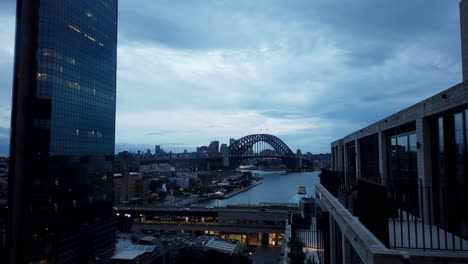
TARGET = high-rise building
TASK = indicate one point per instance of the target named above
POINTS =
(63, 131)
(213, 148)
(464, 37)
(158, 150)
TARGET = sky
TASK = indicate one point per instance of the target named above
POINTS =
(308, 72)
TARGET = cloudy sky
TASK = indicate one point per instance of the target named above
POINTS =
(308, 71)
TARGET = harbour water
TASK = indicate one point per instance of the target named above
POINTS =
(276, 187)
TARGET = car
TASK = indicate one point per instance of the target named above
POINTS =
(209, 207)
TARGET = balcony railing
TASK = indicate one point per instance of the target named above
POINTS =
(404, 216)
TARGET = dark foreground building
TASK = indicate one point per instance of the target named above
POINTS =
(63, 128)
(397, 191)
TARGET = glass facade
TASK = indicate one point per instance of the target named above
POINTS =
(403, 165)
(450, 167)
(68, 128)
(369, 157)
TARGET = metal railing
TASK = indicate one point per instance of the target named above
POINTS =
(407, 215)
(416, 221)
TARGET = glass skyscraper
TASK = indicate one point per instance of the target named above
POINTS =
(63, 129)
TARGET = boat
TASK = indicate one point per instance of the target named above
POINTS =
(302, 190)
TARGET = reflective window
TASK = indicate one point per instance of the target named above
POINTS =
(403, 164)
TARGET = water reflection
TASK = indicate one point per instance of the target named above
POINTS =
(276, 187)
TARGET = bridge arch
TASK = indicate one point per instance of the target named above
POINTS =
(239, 147)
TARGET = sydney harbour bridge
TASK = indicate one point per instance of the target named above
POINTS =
(255, 146)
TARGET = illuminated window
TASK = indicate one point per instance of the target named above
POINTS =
(49, 53)
(71, 60)
(94, 91)
(74, 85)
(74, 28)
(77, 132)
(89, 37)
(98, 134)
(41, 76)
(88, 14)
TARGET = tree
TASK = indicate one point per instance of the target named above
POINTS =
(296, 254)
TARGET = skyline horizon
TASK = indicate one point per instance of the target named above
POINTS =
(309, 72)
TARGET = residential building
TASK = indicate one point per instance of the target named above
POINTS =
(127, 186)
(464, 37)
(396, 191)
(403, 181)
(213, 148)
(63, 132)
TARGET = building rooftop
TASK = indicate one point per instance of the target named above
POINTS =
(128, 255)
(223, 245)
(134, 251)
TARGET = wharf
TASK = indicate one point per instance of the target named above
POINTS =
(229, 195)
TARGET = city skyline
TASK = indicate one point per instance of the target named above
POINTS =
(307, 72)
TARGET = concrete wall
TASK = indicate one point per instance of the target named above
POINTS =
(452, 98)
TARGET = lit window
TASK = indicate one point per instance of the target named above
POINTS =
(74, 85)
(71, 60)
(89, 37)
(94, 91)
(56, 182)
(74, 28)
(49, 52)
(45, 52)
(41, 76)
(77, 132)
(88, 14)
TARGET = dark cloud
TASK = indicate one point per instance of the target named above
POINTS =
(282, 114)
(137, 27)
(323, 67)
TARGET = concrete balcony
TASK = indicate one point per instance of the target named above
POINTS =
(350, 241)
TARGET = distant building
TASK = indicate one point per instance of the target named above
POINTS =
(128, 185)
(231, 141)
(213, 148)
(224, 150)
(158, 150)
(63, 132)
(155, 167)
(182, 181)
(202, 149)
